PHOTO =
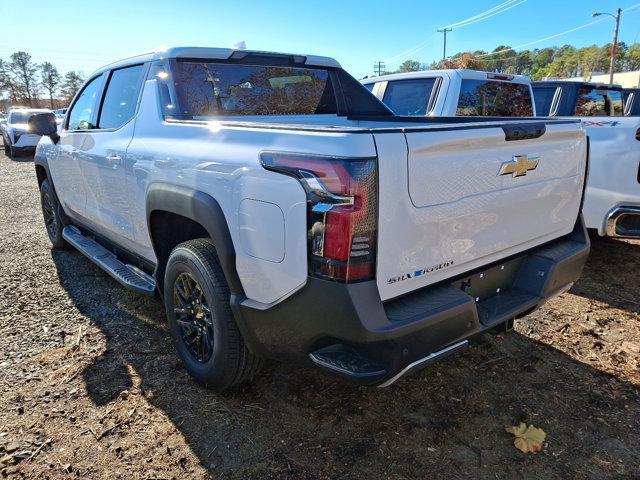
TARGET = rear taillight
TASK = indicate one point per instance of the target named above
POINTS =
(342, 213)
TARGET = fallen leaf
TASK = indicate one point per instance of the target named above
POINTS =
(528, 439)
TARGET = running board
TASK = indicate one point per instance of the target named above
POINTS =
(127, 275)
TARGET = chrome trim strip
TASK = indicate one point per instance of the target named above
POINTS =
(422, 361)
(613, 217)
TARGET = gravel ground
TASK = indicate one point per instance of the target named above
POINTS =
(91, 387)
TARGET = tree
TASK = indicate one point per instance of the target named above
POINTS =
(409, 66)
(23, 71)
(632, 57)
(72, 83)
(50, 79)
(7, 84)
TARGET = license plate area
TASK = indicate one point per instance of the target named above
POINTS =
(490, 282)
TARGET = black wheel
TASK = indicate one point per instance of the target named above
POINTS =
(7, 150)
(201, 323)
(51, 214)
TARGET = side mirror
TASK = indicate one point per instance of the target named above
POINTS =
(45, 124)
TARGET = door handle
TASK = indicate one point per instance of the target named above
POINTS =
(113, 159)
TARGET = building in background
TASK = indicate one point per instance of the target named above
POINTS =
(626, 79)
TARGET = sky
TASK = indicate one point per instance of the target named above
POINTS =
(84, 35)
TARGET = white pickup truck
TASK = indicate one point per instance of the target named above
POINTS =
(282, 211)
(450, 93)
(612, 200)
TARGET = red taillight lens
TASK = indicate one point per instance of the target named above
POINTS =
(342, 198)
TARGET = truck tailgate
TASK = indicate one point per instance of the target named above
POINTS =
(454, 199)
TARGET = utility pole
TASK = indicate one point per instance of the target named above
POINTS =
(379, 68)
(444, 50)
(614, 45)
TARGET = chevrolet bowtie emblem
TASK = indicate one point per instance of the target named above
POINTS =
(518, 166)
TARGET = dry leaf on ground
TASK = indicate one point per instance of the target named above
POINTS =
(528, 438)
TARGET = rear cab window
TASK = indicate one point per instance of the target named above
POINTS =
(410, 97)
(199, 89)
(593, 101)
(490, 98)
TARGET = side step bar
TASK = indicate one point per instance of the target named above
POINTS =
(128, 275)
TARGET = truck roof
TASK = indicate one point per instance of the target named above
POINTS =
(576, 82)
(217, 54)
(453, 72)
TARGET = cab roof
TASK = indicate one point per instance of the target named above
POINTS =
(452, 72)
(210, 53)
(578, 83)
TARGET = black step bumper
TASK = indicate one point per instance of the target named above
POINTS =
(347, 329)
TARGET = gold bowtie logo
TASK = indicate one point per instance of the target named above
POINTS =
(518, 166)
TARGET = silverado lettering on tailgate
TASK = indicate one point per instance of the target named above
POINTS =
(420, 272)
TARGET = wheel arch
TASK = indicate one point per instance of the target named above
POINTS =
(190, 214)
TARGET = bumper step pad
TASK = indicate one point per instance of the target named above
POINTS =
(345, 360)
(128, 275)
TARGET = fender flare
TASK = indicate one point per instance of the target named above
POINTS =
(42, 162)
(204, 210)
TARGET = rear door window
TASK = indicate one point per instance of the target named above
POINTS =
(121, 97)
(543, 97)
(487, 98)
(599, 102)
(409, 97)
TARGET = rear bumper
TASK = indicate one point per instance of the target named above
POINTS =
(348, 330)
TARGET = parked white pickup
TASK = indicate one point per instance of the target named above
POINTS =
(612, 199)
(283, 211)
(449, 93)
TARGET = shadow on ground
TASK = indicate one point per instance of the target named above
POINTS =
(444, 422)
(611, 274)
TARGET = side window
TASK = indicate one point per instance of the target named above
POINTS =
(543, 98)
(599, 102)
(409, 97)
(369, 86)
(121, 97)
(82, 111)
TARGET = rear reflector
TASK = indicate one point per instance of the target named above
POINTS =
(342, 211)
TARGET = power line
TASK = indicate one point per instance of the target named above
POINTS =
(487, 14)
(500, 8)
(379, 68)
(633, 7)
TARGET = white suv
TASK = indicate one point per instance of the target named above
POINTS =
(16, 135)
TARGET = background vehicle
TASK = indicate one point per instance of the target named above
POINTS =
(449, 93)
(631, 98)
(612, 201)
(282, 211)
(16, 134)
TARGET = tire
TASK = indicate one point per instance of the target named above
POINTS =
(51, 214)
(7, 150)
(201, 323)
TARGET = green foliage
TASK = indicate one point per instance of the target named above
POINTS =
(562, 62)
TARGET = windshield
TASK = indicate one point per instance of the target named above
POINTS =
(20, 117)
(486, 98)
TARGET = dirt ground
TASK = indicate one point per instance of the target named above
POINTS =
(91, 387)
